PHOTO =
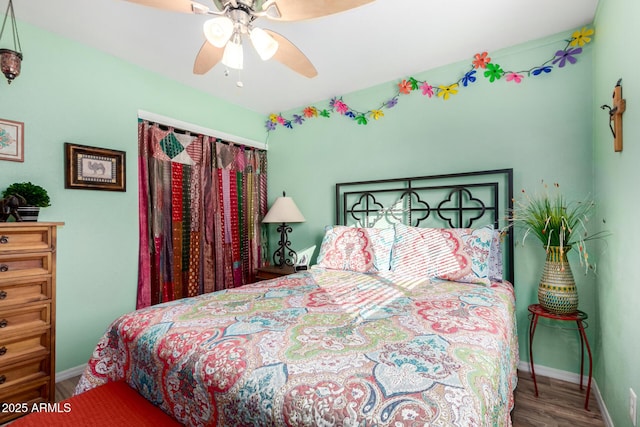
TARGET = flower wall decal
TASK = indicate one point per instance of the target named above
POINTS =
(493, 72)
(515, 77)
(582, 37)
(562, 56)
(447, 91)
(469, 78)
(481, 60)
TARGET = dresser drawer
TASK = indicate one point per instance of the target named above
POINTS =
(19, 400)
(22, 265)
(19, 319)
(18, 373)
(24, 290)
(18, 348)
(25, 238)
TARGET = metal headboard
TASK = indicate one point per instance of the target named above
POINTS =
(469, 199)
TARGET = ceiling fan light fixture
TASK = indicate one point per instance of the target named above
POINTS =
(233, 54)
(265, 45)
(218, 30)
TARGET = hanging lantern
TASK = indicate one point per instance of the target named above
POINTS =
(11, 60)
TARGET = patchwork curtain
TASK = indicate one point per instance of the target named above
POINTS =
(201, 201)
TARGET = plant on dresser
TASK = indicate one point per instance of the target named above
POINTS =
(27, 316)
(34, 195)
(30, 198)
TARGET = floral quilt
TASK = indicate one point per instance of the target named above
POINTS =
(322, 348)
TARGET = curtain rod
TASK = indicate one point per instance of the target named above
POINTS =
(169, 121)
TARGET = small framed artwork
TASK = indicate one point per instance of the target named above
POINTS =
(93, 168)
(304, 257)
(11, 140)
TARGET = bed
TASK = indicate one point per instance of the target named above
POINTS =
(400, 323)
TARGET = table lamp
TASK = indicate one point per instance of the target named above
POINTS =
(283, 211)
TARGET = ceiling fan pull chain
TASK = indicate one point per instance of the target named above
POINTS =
(239, 82)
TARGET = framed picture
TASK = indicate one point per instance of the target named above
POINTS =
(11, 140)
(304, 256)
(93, 168)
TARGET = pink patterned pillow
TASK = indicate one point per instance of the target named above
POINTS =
(421, 252)
(354, 249)
(457, 254)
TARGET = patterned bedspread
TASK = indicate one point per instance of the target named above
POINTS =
(322, 348)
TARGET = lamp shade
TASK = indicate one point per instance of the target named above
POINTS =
(233, 55)
(265, 45)
(218, 30)
(283, 210)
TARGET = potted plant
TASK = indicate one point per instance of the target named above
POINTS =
(32, 197)
(559, 225)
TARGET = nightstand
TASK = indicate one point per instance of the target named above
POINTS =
(579, 317)
(272, 272)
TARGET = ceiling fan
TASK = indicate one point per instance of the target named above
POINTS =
(234, 19)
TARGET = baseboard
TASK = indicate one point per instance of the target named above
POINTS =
(571, 378)
(70, 373)
(603, 408)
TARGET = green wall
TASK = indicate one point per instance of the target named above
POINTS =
(70, 93)
(542, 128)
(616, 186)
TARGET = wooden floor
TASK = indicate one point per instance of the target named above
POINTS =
(558, 404)
(65, 389)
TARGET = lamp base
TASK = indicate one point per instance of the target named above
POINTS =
(284, 255)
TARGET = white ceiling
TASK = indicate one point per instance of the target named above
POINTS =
(383, 41)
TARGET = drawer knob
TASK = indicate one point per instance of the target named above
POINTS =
(4, 267)
(2, 379)
(3, 350)
(4, 323)
(3, 294)
(4, 240)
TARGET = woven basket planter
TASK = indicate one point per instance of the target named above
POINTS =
(557, 290)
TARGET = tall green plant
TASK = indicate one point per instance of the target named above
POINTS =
(555, 221)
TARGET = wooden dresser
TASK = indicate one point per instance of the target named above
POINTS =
(27, 316)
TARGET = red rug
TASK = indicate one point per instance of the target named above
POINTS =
(113, 404)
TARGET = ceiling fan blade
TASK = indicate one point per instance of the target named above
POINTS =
(207, 58)
(289, 55)
(183, 6)
(297, 10)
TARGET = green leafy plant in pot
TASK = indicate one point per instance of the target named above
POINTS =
(32, 197)
(560, 225)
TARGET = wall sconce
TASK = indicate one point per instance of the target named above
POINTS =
(615, 115)
(284, 211)
(10, 60)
